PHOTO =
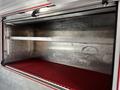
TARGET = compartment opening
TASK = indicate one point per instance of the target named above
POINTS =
(75, 53)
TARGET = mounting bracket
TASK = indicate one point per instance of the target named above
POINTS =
(35, 12)
(105, 2)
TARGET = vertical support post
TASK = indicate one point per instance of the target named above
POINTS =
(117, 52)
(0, 39)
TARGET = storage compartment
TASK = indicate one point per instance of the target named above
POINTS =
(73, 52)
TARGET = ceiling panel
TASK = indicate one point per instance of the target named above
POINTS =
(7, 6)
(14, 5)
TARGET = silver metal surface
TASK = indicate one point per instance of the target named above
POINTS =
(59, 14)
(9, 80)
(1, 40)
(24, 49)
(64, 39)
(8, 6)
(116, 76)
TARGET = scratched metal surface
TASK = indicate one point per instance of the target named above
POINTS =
(8, 6)
(12, 81)
(93, 56)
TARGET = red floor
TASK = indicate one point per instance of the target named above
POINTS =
(70, 77)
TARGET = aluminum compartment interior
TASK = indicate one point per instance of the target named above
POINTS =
(82, 41)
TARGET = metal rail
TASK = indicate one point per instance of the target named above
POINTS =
(65, 39)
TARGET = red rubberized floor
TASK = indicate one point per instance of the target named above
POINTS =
(69, 77)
